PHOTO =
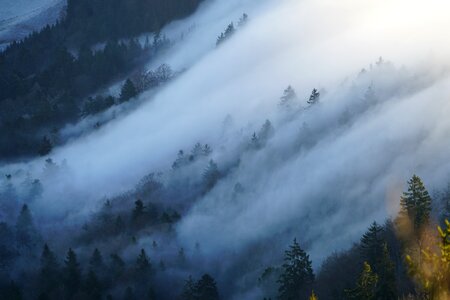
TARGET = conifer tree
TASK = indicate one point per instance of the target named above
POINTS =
(416, 203)
(366, 286)
(128, 91)
(189, 290)
(143, 266)
(297, 273)
(206, 288)
(386, 286)
(288, 98)
(27, 236)
(314, 97)
(211, 175)
(49, 272)
(71, 274)
(117, 266)
(372, 245)
(96, 261)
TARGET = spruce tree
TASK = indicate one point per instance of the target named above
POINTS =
(372, 245)
(92, 286)
(96, 261)
(211, 175)
(128, 91)
(206, 288)
(71, 274)
(386, 287)
(288, 98)
(416, 203)
(49, 272)
(297, 274)
(27, 236)
(189, 290)
(143, 266)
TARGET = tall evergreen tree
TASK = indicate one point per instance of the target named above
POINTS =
(49, 272)
(128, 91)
(27, 236)
(71, 274)
(211, 175)
(416, 203)
(189, 290)
(372, 245)
(143, 266)
(206, 288)
(297, 274)
(386, 286)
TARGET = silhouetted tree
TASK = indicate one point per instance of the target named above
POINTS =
(297, 274)
(128, 91)
(71, 274)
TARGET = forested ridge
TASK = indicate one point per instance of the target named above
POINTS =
(46, 77)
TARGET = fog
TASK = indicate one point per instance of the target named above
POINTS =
(328, 170)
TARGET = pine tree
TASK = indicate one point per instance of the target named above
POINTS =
(372, 245)
(314, 97)
(416, 203)
(27, 236)
(211, 175)
(366, 286)
(288, 98)
(49, 272)
(71, 274)
(189, 290)
(386, 286)
(96, 260)
(138, 213)
(206, 288)
(128, 91)
(143, 266)
(266, 131)
(297, 273)
(117, 266)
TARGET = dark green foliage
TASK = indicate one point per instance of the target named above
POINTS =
(71, 274)
(366, 286)
(211, 175)
(204, 289)
(416, 203)
(27, 236)
(49, 275)
(117, 266)
(372, 243)
(386, 286)
(128, 91)
(297, 274)
(143, 267)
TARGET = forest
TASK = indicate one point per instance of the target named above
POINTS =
(214, 150)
